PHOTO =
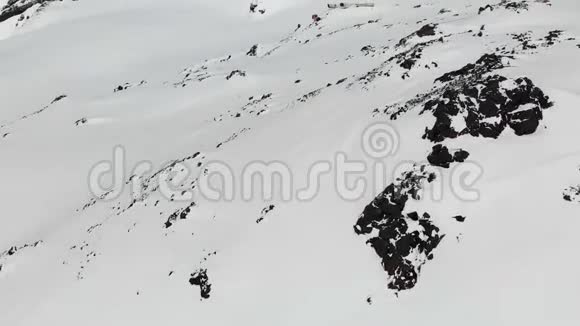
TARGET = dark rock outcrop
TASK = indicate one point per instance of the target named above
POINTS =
(18, 7)
(180, 214)
(253, 51)
(440, 156)
(486, 104)
(200, 278)
(427, 30)
(572, 194)
(236, 72)
(403, 249)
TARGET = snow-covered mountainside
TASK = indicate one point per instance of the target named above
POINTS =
(280, 162)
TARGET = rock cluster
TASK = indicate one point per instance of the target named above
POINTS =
(404, 241)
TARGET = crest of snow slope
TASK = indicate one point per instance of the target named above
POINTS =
(151, 76)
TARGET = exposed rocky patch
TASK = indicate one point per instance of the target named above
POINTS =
(37, 112)
(516, 6)
(404, 241)
(427, 30)
(474, 71)
(521, 6)
(84, 254)
(440, 156)
(29, 115)
(424, 31)
(201, 72)
(253, 51)
(148, 184)
(528, 44)
(81, 121)
(301, 36)
(19, 7)
(314, 93)
(469, 74)
(256, 106)
(368, 50)
(14, 250)
(126, 86)
(234, 73)
(486, 108)
(233, 137)
(194, 74)
(256, 8)
(406, 59)
(346, 5)
(180, 214)
(469, 101)
(265, 212)
(459, 218)
(552, 37)
(473, 101)
(572, 194)
(93, 201)
(200, 278)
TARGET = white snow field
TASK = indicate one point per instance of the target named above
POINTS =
(180, 85)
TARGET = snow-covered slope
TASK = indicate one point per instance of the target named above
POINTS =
(455, 119)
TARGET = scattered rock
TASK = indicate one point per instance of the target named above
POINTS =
(254, 8)
(233, 137)
(197, 73)
(304, 98)
(572, 194)
(516, 6)
(367, 49)
(264, 212)
(180, 214)
(253, 51)
(344, 5)
(126, 86)
(484, 65)
(81, 121)
(486, 7)
(527, 43)
(459, 218)
(58, 99)
(406, 59)
(236, 72)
